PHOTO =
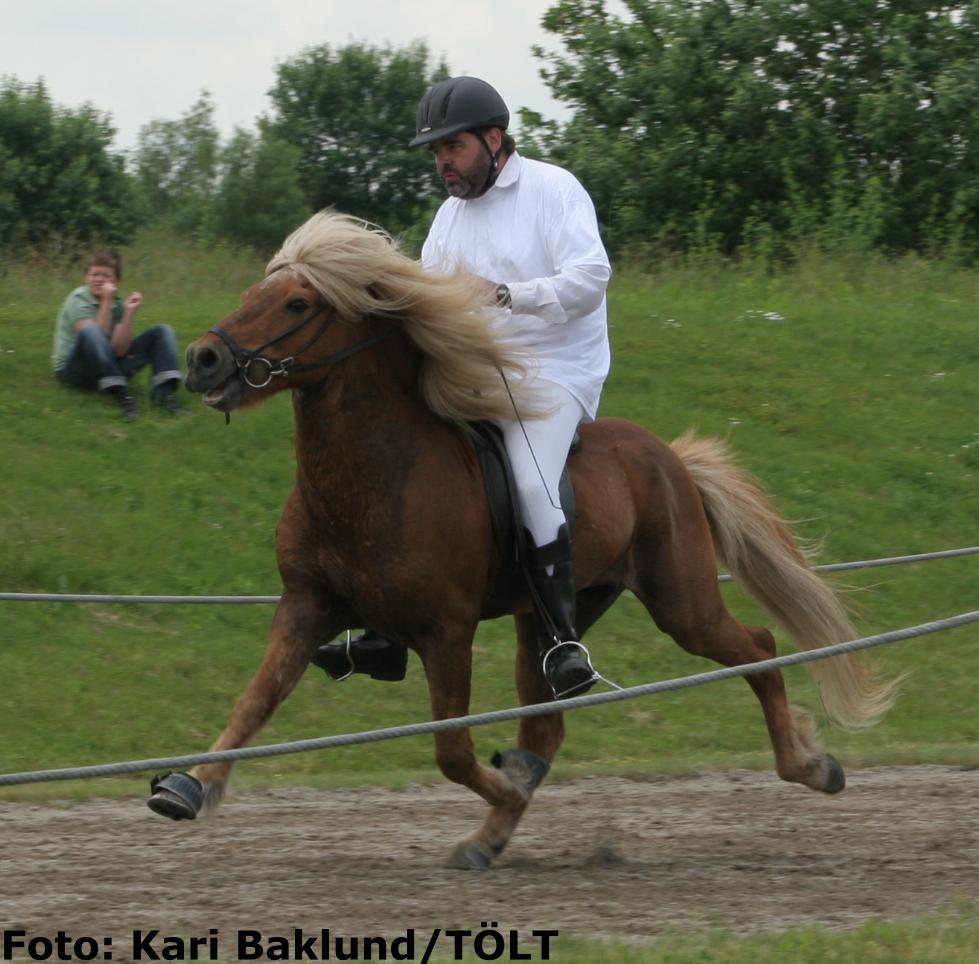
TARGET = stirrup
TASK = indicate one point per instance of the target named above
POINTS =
(581, 679)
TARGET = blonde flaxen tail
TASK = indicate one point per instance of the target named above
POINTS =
(761, 553)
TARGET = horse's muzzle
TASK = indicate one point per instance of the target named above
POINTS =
(212, 373)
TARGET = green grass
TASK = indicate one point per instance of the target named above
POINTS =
(850, 390)
(950, 937)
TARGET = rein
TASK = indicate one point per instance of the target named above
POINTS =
(246, 357)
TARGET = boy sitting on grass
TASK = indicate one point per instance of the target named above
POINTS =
(95, 348)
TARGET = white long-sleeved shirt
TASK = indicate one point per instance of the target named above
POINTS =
(535, 230)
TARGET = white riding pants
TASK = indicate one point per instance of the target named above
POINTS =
(538, 450)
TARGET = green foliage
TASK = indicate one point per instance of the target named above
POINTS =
(717, 126)
(244, 192)
(259, 200)
(177, 168)
(724, 117)
(59, 182)
(336, 137)
(350, 112)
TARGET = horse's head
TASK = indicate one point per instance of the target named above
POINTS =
(283, 336)
(338, 286)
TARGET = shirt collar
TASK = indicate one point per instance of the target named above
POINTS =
(510, 173)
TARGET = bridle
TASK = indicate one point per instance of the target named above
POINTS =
(246, 357)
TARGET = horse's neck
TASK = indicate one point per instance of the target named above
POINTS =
(360, 429)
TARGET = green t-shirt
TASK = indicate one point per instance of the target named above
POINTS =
(80, 304)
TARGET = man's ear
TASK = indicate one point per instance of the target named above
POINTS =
(494, 139)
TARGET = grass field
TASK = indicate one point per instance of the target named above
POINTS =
(850, 389)
(950, 937)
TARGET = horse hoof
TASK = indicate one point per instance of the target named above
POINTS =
(470, 856)
(178, 796)
(835, 777)
(527, 770)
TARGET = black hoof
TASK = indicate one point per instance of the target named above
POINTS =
(178, 796)
(527, 770)
(470, 856)
(835, 777)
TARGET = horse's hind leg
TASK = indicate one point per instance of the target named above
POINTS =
(798, 756)
(540, 737)
(448, 669)
(701, 624)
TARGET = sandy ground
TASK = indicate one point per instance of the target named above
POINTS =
(596, 856)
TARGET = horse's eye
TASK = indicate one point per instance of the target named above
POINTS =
(297, 306)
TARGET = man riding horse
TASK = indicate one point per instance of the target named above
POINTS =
(528, 232)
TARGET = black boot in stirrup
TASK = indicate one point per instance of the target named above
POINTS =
(567, 668)
(368, 653)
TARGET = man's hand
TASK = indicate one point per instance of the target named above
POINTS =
(134, 301)
(107, 292)
(487, 289)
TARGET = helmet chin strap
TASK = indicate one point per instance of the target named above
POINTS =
(494, 171)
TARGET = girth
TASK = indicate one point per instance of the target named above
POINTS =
(506, 517)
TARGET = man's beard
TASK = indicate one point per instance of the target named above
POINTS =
(472, 182)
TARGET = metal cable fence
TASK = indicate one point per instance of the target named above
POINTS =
(265, 600)
(482, 719)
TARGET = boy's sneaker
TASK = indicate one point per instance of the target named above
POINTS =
(127, 403)
(168, 402)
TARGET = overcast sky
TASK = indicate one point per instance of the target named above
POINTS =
(140, 60)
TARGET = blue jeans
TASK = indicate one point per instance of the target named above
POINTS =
(93, 364)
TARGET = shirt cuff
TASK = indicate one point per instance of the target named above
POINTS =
(537, 299)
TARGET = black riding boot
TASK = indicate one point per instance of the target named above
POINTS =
(566, 665)
(368, 653)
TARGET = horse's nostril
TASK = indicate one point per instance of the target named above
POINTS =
(207, 360)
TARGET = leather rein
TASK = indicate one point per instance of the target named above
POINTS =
(246, 357)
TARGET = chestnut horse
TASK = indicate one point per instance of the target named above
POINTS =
(387, 525)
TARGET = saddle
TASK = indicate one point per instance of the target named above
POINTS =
(509, 531)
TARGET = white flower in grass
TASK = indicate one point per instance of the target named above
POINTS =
(756, 314)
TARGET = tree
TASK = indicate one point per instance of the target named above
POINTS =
(716, 116)
(259, 200)
(350, 113)
(58, 177)
(176, 165)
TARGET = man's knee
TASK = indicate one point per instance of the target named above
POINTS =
(93, 345)
(163, 333)
(91, 336)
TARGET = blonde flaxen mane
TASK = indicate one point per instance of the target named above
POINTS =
(358, 268)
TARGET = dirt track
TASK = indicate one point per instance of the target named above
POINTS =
(596, 856)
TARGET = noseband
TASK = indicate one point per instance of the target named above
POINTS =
(246, 357)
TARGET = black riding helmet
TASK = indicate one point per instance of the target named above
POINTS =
(458, 104)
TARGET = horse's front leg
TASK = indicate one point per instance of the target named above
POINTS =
(299, 624)
(449, 672)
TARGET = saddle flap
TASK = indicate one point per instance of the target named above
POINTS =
(506, 516)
